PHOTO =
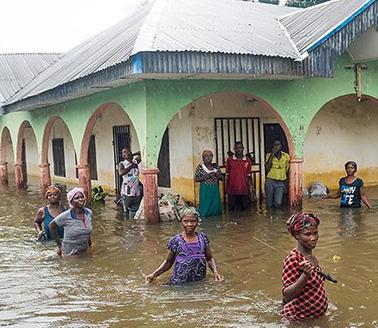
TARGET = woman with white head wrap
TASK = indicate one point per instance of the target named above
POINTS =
(77, 224)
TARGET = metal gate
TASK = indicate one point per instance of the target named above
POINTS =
(228, 130)
(121, 139)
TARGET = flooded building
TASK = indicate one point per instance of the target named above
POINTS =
(180, 76)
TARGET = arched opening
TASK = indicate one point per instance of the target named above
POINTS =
(58, 150)
(27, 163)
(343, 129)
(7, 157)
(108, 130)
(215, 122)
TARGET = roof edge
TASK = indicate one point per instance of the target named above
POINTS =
(338, 27)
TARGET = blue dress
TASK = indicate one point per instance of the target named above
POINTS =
(47, 218)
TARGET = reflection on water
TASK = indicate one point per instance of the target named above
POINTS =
(108, 290)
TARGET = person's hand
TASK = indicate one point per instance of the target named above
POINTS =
(218, 277)
(40, 236)
(150, 278)
(275, 150)
(307, 268)
(134, 165)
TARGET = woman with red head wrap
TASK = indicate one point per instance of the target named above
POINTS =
(47, 213)
(304, 296)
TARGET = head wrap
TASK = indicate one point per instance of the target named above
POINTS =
(71, 194)
(51, 189)
(300, 221)
(187, 211)
(351, 163)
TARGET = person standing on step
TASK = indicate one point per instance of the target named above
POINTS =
(238, 172)
(128, 169)
(277, 165)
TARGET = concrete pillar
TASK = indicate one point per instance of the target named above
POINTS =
(150, 198)
(19, 176)
(4, 174)
(296, 183)
(45, 176)
(85, 180)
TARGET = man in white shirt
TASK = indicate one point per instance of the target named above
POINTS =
(128, 169)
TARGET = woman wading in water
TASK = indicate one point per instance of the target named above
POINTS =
(188, 251)
(351, 191)
(304, 296)
(77, 224)
(46, 214)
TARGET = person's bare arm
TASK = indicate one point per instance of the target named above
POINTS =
(334, 195)
(364, 198)
(292, 291)
(268, 163)
(38, 220)
(53, 230)
(165, 266)
(212, 265)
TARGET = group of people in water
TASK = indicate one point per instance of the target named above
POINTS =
(189, 252)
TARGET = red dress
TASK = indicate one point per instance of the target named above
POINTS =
(312, 302)
(238, 171)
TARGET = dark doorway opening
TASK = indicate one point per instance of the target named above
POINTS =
(92, 159)
(272, 132)
(58, 157)
(121, 139)
(164, 179)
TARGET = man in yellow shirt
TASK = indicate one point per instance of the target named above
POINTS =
(277, 166)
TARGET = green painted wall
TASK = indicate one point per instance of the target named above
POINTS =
(296, 101)
(151, 104)
(76, 114)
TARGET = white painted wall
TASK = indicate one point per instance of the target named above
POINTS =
(343, 130)
(32, 160)
(60, 130)
(192, 130)
(103, 132)
(365, 48)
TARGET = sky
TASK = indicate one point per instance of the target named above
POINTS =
(57, 25)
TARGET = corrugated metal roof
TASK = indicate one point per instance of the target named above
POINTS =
(309, 26)
(227, 26)
(17, 69)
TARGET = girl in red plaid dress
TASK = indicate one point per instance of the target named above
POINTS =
(304, 296)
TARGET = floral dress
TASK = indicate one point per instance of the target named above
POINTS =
(190, 261)
(210, 201)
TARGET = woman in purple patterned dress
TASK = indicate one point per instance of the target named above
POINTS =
(188, 251)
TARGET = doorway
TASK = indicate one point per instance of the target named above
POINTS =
(121, 139)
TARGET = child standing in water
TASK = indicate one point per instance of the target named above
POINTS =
(304, 296)
(350, 191)
(189, 251)
(46, 214)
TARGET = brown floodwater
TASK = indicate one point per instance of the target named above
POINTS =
(108, 289)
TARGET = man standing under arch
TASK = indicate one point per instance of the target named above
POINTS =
(277, 166)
